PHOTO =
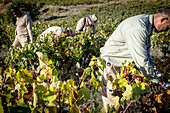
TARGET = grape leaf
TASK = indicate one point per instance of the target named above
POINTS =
(94, 58)
(122, 82)
(116, 100)
(137, 91)
(128, 92)
(1, 107)
(50, 96)
(85, 92)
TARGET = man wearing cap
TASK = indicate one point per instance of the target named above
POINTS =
(23, 31)
(56, 32)
(84, 23)
(131, 42)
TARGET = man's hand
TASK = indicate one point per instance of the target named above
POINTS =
(162, 76)
(165, 85)
(163, 80)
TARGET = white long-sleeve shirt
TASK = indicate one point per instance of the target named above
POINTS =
(131, 42)
(24, 26)
(83, 26)
(54, 29)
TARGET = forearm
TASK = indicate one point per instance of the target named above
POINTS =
(29, 29)
(30, 35)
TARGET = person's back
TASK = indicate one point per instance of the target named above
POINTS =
(131, 41)
(23, 31)
(91, 21)
(118, 46)
(22, 23)
(54, 30)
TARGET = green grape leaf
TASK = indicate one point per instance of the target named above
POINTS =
(27, 76)
(84, 91)
(55, 73)
(72, 83)
(124, 62)
(1, 107)
(80, 101)
(41, 77)
(88, 70)
(96, 104)
(20, 103)
(50, 96)
(122, 102)
(67, 86)
(8, 73)
(137, 91)
(63, 86)
(40, 90)
(102, 63)
(98, 73)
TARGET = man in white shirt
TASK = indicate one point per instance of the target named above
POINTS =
(23, 31)
(131, 42)
(90, 21)
(56, 32)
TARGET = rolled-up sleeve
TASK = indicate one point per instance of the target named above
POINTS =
(136, 42)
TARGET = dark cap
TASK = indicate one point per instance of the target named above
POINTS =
(15, 9)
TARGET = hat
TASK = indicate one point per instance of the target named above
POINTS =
(72, 33)
(93, 18)
(14, 9)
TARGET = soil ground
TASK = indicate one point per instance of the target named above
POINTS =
(66, 11)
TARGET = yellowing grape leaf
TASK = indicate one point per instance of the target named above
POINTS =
(50, 97)
(116, 100)
(143, 86)
(70, 100)
(128, 92)
(122, 82)
(43, 60)
(94, 58)
(26, 75)
(91, 63)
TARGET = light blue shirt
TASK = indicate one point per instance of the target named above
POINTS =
(131, 42)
